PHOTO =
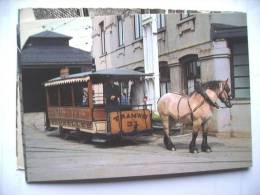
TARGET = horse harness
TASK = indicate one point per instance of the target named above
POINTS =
(191, 110)
(196, 108)
(205, 99)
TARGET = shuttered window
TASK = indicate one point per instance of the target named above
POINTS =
(240, 73)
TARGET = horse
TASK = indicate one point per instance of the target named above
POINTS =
(195, 109)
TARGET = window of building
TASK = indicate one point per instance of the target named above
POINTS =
(120, 30)
(85, 12)
(160, 21)
(185, 14)
(102, 38)
(138, 26)
(240, 70)
(165, 84)
(192, 73)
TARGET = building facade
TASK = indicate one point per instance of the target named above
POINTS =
(191, 47)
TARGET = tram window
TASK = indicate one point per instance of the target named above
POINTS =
(53, 96)
(81, 94)
(66, 95)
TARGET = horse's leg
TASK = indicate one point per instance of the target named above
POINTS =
(195, 132)
(204, 145)
(166, 127)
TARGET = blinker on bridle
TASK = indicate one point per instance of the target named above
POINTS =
(223, 100)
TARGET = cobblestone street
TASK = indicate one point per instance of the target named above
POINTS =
(50, 158)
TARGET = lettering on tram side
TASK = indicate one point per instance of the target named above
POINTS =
(132, 124)
(72, 123)
(129, 121)
(69, 117)
(69, 113)
(131, 116)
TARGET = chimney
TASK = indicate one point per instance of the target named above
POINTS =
(64, 72)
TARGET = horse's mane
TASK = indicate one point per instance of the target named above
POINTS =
(214, 85)
(201, 87)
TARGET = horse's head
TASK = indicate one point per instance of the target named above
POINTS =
(225, 93)
(221, 90)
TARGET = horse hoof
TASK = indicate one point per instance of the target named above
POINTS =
(169, 148)
(206, 149)
(192, 150)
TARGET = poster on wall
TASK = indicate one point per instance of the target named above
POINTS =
(126, 93)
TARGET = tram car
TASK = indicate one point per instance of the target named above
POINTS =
(99, 103)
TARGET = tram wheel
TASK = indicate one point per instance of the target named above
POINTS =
(64, 133)
(87, 137)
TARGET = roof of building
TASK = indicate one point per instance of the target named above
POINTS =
(55, 56)
(50, 34)
(41, 50)
(98, 76)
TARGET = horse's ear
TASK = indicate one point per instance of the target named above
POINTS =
(226, 80)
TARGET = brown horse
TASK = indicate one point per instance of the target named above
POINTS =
(195, 109)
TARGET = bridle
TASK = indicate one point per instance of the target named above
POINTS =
(225, 101)
(219, 95)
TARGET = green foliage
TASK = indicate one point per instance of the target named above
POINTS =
(156, 117)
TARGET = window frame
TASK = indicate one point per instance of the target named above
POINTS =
(191, 70)
(185, 14)
(161, 21)
(102, 38)
(120, 30)
(165, 78)
(138, 26)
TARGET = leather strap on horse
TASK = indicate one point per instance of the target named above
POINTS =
(206, 97)
(178, 109)
(198, 106)
(191, 110)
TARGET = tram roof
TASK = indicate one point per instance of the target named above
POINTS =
(99, 76)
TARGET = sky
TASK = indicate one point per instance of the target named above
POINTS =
(79, 28)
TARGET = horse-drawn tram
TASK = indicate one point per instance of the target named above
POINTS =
(98, 103)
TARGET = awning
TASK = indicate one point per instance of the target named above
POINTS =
(220, 31)
(65, 81)
(99, 76)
